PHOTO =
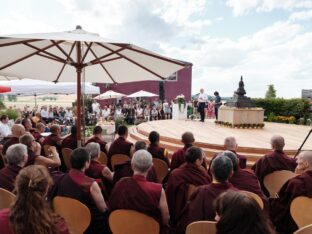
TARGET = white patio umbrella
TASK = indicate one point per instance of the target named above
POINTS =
(109, 95)
(142, 93)
(65, 56)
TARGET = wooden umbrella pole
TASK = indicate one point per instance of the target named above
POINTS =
(79, 70)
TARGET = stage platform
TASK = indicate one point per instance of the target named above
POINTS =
(253, 143)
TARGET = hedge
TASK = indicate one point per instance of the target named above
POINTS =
(297, 107)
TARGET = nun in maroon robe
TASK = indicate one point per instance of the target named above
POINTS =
(154, 148)
(11, 141)
(97, 138)
(192, 173)
(71, 140)
(8, 175)
(200, 205)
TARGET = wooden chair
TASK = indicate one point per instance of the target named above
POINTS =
(161, 169)
(119, 158)
(6, 198)
(274, 181)
(66, 153)
(304, 230)
(103, 158)
(191, 189)
(132, 222)
(46, 150)
(256, 197)
(301, 210)
(202, 227)
(76, 214)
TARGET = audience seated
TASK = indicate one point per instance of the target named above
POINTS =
(178, 158)
(200, 206)
(30, 213)
(77, 185)
(34, 150)
(40, 128)
(17, 131)
(71, 140)
(26, 122)
(136, 193)
(120, 145)
(237, 213)
(231, 145)
(155, 149)
(54, 139)
(17, 158)
(274, 161)
(300, 185)
(192, 173)
(98, 138)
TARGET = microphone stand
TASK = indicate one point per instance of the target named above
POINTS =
(303, 143)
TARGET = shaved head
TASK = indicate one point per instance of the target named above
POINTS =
(277, 142)
(230, 143)
(18, 130)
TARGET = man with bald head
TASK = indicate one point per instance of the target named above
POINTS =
(231, 145)
(300, 185)
(18, 130)
(274, 161)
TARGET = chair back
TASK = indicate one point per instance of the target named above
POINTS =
(161, 169)
(304, 230)
(76, 214)
(256, 197)
(275, 180)
(132, 222)
(46, 150)
(119, 158)
(191, 189)
(202, 227)
(66, 153)
(6, 198)
(103, 158)
(301, 210)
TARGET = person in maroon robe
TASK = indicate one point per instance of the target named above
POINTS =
(244, 179)
(17, 131)
(120, 145)
(98, 138)
(192, 173)
(26, 122)
(274, 161)
(78, 186)
(178, 157)
(17, 158)
(231, 145)
(40, 128)
(300, 185)
(200, 206)
(71, 140)
(136, 193)
(54, 139)
(154, 148)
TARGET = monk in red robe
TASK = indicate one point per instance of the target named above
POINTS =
(178, 157)
(77, 185)
(120, 145)
(191, 173)
(231, 145)
(300, 185)
(274, 161)
(17, 158)
(154, 148)
(54, 139)
(71, 140)
(136, 193)
(17, 131)
(200, 206)
(98, 138)
(40, 128)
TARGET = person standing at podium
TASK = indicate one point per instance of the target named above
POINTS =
(202, 99)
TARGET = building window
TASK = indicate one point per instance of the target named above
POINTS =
(173, 77)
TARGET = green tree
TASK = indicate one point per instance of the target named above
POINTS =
(271, 92)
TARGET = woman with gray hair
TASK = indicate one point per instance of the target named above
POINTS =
(136, 193)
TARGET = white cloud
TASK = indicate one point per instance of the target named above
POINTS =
(301, 15)
(241, 7)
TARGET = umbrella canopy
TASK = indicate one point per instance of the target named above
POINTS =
(4, 89)
(142, 93)
(109, 95)
(66, 56)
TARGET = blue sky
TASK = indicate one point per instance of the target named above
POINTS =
(266, 41)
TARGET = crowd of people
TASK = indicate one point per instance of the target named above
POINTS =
(36, 176)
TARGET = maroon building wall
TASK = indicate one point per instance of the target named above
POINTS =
(183, 85)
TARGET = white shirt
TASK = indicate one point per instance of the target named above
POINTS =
(96, 107)
(105, 113)
(44, 113)
(5, 130)
(202, 97)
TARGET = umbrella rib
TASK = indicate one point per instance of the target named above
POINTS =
(61, 49)
(103, 67)
(17, 42)
(134, 62)
(106, 60)
(52, 58)
(62, 69)
(26, 56)
(95, 61)
(87, 51)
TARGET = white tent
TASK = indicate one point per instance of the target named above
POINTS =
(109, 95)
(142, 93)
